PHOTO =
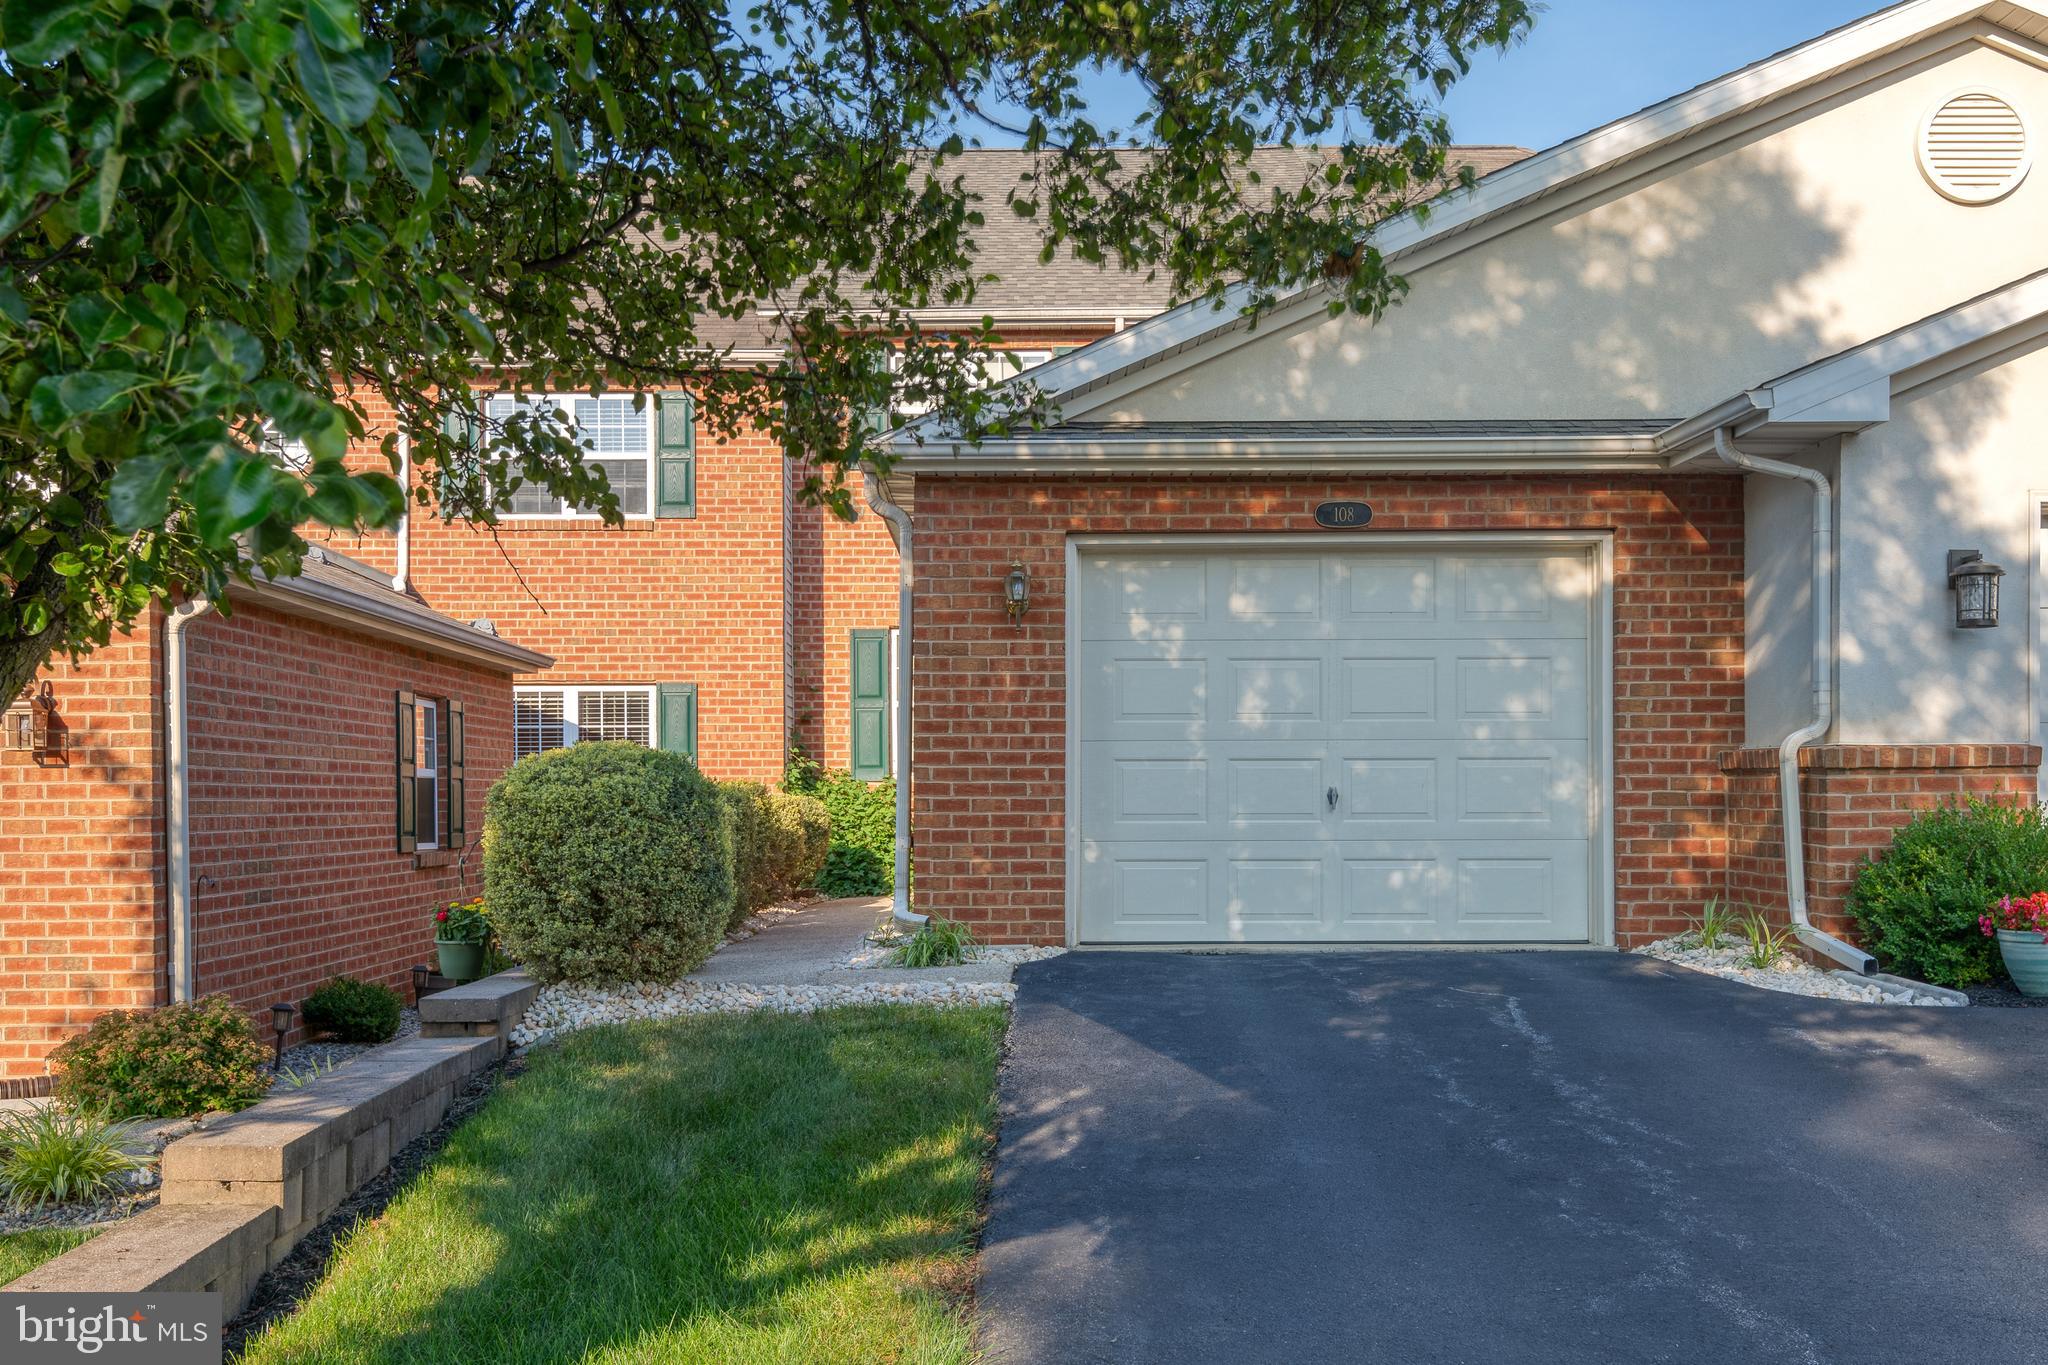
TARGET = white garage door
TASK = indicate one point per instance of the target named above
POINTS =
(1372, 745)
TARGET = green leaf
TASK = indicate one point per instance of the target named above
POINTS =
(96, 320)
(35, 618)
(139, 494)
(38, 32)
(235, 105)
(335, 23)
(34, 157)
(409, 153)
(231, 493)
(281, 221)
(61, 398)
(341, 86)
(67, 564)
(103, 196)
(222, 236)
(561, 147)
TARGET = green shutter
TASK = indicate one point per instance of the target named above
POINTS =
(678, 719)
(457, 741)
(675, 456)
(408, 787)
(870, 687)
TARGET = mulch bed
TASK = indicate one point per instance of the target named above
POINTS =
(283, 1288)
(2003, 997)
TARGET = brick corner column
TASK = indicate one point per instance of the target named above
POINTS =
(1854, 797)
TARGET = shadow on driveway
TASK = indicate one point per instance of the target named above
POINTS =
(1507, 1157)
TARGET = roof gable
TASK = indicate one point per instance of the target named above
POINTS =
(1649, 176)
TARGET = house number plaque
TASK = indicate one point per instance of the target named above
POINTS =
(1343, 516)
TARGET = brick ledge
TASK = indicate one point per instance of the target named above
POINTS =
(1898, 757)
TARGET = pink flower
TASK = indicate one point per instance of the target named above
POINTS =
(442, 916)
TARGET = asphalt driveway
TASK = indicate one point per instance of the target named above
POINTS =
(1507, 1157)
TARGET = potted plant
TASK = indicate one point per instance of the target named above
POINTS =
(460, 933)
(2020, 924)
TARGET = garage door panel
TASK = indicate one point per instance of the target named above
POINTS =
(1442, 699)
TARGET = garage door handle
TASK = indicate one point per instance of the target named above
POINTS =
(1331, 797)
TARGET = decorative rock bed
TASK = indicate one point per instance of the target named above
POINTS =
(882, 953)
(1789, 975)
(565, 1008)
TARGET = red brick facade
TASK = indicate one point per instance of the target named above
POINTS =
(295, 867)
(1852, 797)
(295, 870)
(81, 856)
(989, 723)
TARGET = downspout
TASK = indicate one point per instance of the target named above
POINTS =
(401, 577)
(899, 720)
(178, 795)
(1823, 697)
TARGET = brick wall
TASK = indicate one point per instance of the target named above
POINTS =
(990, 709)
(81, 856)
(1852, 798)
(295, 865)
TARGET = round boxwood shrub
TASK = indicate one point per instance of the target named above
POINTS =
(354, 1011)
(607, 862)
(1916, 905)
(185, 1059)
(806, 827)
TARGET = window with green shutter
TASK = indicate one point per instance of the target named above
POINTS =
(870, 687)
(675, 456)
(408, 773)
(677, 714)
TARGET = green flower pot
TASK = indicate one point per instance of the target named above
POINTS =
(2026, 960)
(460, 961)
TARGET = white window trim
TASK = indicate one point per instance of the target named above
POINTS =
(648, 408)
(2036, 599)
(1028, 358)
(426, 771)
(571, 695)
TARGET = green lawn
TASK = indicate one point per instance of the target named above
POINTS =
(21, 1252)
(770, 1188)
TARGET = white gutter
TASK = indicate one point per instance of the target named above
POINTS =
(899, 734)
(178, 794)
(1823, 697)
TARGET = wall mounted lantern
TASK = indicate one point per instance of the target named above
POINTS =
(1976, 587)
(32, 726)
(1017, 592)
(280, 1020)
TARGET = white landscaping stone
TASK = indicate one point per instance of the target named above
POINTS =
(872, 954)
(1787, 974)
(564, 1008)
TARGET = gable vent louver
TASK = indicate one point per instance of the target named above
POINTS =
(1973, 147)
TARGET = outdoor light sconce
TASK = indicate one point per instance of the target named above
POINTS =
(1976, 587)
(1017, 592)
(281, 1021)
(422, 975)
(33, 727)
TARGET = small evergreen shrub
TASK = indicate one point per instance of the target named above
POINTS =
(607, 862)
(861, 857)
(1917, 905)
(52, 1155)
(779, 841)
(354, 1011)
(182, 1060)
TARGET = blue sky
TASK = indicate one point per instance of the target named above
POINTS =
(1589, 61)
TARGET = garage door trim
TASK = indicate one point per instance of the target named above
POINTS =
(1599, 549)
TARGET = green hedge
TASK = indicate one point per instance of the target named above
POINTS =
(607, 862)
(779, 843)
(861, 860)
(354, 1011)
(1916, 905)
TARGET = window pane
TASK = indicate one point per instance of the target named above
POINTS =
(610, 425)
(537, 723)
(629, 483)
(614, 715)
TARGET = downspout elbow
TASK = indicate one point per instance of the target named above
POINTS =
(178, 795)
(899, 733)
(1823, 710)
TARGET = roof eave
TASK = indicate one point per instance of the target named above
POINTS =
(320, 602)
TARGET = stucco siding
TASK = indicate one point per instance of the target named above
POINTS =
(1952, 469)
(1763, 247)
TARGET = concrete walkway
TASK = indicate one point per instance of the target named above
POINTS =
(810, 948)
